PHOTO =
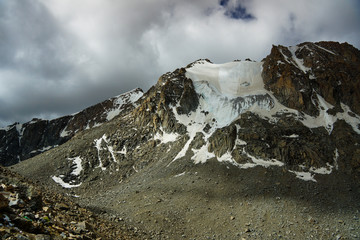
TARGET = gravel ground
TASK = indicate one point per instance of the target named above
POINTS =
(217, 201)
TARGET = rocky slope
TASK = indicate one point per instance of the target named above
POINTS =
(270, 149)
(19, 142)
(29, 212)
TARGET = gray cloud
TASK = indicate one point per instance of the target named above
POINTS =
(58, 57)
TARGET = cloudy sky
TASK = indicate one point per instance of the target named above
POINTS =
(60, 56)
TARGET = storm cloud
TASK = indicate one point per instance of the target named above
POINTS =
(58, 57)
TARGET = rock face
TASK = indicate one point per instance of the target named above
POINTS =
(173, 90)
(19, 142)
(296, 74)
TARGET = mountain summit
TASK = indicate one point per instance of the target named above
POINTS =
(215, 134)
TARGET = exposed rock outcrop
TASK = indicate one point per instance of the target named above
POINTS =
(295, 74)
(173, 90)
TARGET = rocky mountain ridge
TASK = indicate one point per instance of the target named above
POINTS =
(275, 125)
(19, 142)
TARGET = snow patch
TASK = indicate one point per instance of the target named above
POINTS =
(309, 175)
(322, 170)
(262, 162)
(284, 56)
(20, 129)
(112, 113)
(336, 156)
(111, 150)
(202, 155)
(227, 157)
(306, 176)
(65, 133)
(292, 136)
(103, 144)
(166, 137)
(97, 125)
(78, 167)
(99, 148)
(180, 174)
(43, 149)
(64, 184)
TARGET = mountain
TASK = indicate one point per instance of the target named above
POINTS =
(246, 149)
(19, 142)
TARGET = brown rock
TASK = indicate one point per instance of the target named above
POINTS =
(332, 70)
(4, 202)
(61, 206)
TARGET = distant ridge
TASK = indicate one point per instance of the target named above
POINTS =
(19, 142)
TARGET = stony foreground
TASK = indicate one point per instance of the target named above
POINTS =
(26, 212)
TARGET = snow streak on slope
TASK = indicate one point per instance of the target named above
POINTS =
(102, 144)
(299, 62)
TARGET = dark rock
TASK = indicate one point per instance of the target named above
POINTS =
(4, 202)
(189, 99)
(198, 141)
(223, 140)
